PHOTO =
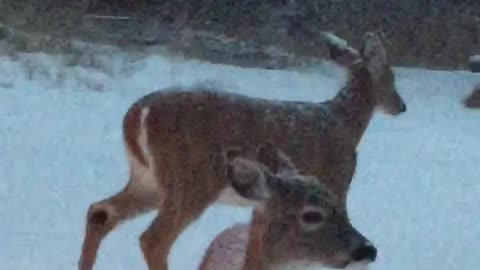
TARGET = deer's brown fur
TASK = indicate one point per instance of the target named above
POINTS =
(174, 141)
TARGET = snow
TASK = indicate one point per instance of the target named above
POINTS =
(416, 192)
(475, 58)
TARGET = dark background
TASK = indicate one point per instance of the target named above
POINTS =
(439, 34)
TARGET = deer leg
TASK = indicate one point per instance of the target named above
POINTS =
(105, 215)
(157, 240)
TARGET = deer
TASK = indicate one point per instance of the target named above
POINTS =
(174, 140)
(298, 223)
(473, 100)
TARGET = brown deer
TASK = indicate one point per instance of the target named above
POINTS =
(175, 138)
(299, 222)
(473, 100)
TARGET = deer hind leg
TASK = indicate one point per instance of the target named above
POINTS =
(140, 196)
(105, 215)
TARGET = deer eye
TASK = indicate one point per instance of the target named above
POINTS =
(312, 217)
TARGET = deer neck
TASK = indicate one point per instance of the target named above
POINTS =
(355, 103)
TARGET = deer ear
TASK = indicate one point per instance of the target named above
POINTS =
(338, 49)
(249, 178)
(275, 159)
(374, 53)
(285, 165)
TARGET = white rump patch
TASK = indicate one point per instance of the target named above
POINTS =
(143, 134)
(143, 178)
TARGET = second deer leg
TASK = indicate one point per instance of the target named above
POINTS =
(157, 241)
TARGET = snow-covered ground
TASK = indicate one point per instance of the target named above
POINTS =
(416, 193)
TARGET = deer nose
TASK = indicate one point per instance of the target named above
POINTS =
(403, 108)
(365, 252)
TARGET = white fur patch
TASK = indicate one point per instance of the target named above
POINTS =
(143, 178)
(143, 134)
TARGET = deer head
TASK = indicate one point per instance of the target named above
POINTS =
(374, 56)
(306, 221)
